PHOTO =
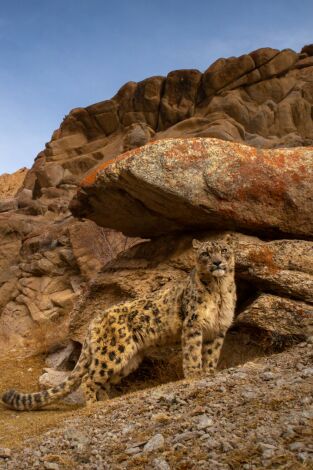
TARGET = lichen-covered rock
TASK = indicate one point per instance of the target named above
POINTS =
(184, 184)
(282, 266)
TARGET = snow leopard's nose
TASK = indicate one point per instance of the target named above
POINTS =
(217, 263)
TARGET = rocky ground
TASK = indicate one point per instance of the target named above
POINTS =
(257, 415)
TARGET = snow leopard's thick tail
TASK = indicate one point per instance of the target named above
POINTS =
(32, 401)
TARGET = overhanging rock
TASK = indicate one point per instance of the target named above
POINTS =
(201, 183)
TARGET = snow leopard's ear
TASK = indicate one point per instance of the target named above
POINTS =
(229, 239)
(197, 245)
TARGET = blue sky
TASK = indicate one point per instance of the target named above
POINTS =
(56, 55)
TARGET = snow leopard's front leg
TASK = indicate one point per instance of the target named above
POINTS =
(211, 351)
(192, 347)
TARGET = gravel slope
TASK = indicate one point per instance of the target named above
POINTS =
(259, 415)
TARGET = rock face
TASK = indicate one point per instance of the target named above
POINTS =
(10, 184)
(48, 258)
(277, 316)
(281, 267)
(263, 98)
(45, 264)
(185, 184)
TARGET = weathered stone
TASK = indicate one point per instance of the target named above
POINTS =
(125, 99)
(8, 204)
(50, 175)
(179, 97)
(5, 453)
(89, 125)
(263, 55)
(11, 183)
(63, 299)
(277, 316)
(137, 135)
(282, 267)
(305, 62)
(13, 229)
(278, 64)
(308, 49)
(94, 246)
(155, 443)
(64, 143)
(106, 115)
(160, 464)
(24, 197)
(202, 184)
(225, 71)
(146, 100)
(52, 378)
(203, 421)
(61, 358)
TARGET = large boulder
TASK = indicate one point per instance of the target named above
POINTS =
(184, 184)
(282, 267)
(277, 318)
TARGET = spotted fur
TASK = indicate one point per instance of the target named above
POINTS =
(197, 313)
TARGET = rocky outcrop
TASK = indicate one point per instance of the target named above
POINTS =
(282, 267)
(45, 264)
(191, 184)
(263, 98)
(11, 183)
(57, 272)
(277, 316)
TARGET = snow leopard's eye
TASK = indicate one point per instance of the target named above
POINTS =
(224, 251)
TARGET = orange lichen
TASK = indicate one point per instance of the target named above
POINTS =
(266, 165)
(264, 256)
(91, 177)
